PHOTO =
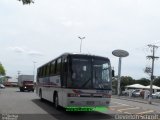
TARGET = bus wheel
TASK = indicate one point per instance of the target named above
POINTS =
(40, 95)
(20, 89)
(56, 102)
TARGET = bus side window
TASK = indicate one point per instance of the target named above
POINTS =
(58, 66)
(52, 68)
(47, 69)
(43, 71)
(64, 72)
(65, 65)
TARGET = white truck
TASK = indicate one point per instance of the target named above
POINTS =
(26, 82)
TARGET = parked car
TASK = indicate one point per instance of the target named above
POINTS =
(136, 93)
(156, 95)
(2, 86)
(126, 92)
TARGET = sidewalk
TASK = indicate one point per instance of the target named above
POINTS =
(137, 99)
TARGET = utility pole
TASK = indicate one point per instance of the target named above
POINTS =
(153, 57)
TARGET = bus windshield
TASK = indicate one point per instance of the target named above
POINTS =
(90, 73)
(101, 74)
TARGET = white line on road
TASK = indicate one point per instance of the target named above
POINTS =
(121, 103)
(149, 111)
(116, 106)
(127, 113)
(120, 110)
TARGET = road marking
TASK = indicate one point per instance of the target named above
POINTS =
(121, 103)
(149, 111)
(121, 106)
(120, 110)
(111, 109)
(127, 113)
(115, 106)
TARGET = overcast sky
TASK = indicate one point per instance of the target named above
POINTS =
(44, 30)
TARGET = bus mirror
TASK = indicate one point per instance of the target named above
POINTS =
(112, 73)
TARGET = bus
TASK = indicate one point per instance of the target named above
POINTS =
(75, 80)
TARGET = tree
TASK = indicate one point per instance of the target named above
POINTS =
(2, 70)
(126, 80)
(26, 1)
(157, 81)
(143, 81)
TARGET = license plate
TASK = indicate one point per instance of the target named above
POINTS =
(90, 102)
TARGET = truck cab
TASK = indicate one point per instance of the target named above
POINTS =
(26, 83)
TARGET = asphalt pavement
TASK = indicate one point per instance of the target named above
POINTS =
(27, 106)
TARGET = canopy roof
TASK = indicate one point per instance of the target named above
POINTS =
(136, 86)
(142, 86)
(153, 87)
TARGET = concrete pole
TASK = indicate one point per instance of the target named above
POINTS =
(152, 77)
(119, 76)
(80, 45)
(34, 69)
(18, 74)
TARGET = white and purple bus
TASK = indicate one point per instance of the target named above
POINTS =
(75, 80)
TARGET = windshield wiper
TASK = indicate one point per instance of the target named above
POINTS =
(85, 83)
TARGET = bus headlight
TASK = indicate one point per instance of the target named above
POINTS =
(106, 96)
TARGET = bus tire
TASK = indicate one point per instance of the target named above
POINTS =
(40, 95)
(20, 89)
(56, 101)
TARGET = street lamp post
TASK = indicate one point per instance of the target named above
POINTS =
(81, 38)
(18, 72)
(119, 74)
(120, 54)
(34, 65)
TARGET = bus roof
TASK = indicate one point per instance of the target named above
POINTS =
(68, 54)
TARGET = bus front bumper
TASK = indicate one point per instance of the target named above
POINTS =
(87, 102)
